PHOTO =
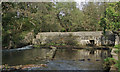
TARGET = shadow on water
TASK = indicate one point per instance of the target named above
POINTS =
(65, 59)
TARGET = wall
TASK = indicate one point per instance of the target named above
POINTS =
(75, 38)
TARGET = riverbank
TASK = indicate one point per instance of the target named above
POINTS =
(20, 67)
(62, 47)
(74, 47)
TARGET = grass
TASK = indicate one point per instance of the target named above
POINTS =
(49, 44)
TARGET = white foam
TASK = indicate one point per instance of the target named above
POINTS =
(23, 48)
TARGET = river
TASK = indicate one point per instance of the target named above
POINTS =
(65, 59)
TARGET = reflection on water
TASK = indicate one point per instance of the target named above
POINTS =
(65, 59)
(23, 57)
(81, 54)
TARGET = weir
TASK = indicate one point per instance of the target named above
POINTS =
(80, 38)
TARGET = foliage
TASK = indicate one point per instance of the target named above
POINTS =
(55, 44)
(49, 44)
(109, 61)
(92, 13)
(117, 46)
(111, 20)
(118, 51)
(37, 46)
(20, 18)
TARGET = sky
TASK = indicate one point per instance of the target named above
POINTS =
(79, 2)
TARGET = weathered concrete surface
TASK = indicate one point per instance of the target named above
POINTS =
(78, 38)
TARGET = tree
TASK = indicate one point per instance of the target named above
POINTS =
(111, 21)
(69, 16)
(92, 13)
(20, 18)
(15, 21)
(112, 17)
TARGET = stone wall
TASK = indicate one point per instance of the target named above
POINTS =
(75, 38)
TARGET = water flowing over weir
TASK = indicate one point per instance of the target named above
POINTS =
(64, 59)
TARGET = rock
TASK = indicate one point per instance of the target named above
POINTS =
(21, 67)
(73, 60)
(81, 59)
(43, 65)
(51, 53)
(97, 60)
(88, 59)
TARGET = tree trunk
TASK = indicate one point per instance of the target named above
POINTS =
(10, 44)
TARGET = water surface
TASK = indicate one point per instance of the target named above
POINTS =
(65, 59)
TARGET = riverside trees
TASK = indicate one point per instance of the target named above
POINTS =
(19, 18)
(111, 21)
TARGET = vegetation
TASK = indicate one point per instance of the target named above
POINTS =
(49, 44)
(111, 21)
(18, 19)
(111, 61)
(118, 61)
(111, 18)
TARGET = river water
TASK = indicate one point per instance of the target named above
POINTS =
(65, 59)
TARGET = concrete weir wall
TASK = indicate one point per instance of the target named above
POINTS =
(79, 38)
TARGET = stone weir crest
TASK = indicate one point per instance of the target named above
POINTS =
(80, 38)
